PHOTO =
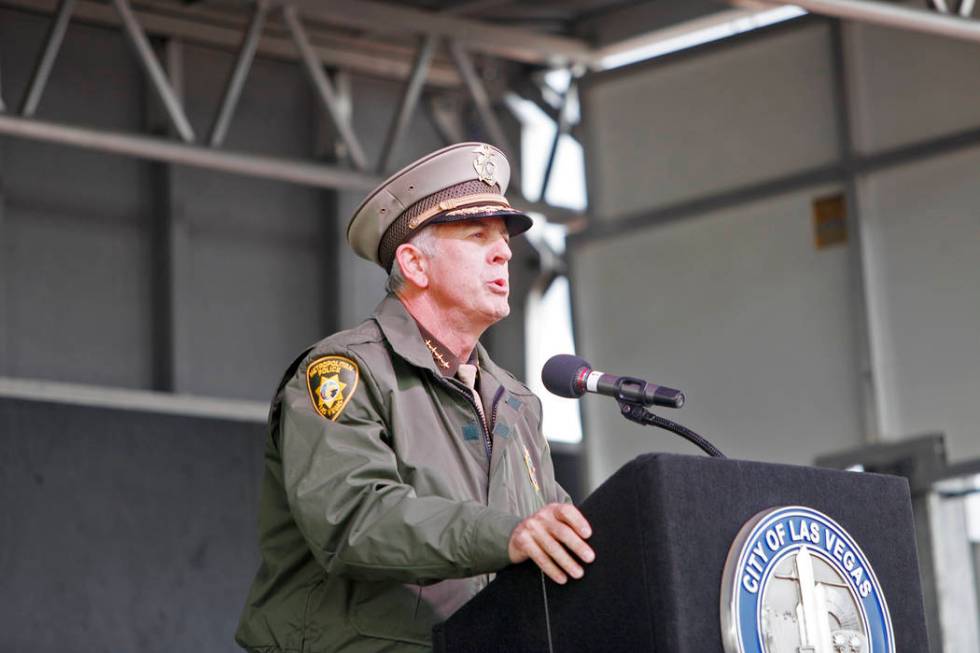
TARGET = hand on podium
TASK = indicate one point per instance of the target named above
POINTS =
(549, 537)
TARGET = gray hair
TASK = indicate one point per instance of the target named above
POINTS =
(425, 242)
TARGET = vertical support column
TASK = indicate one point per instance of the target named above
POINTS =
(332, 228)
(170, 252)
(3, 107)
(5, 272)
(846, 148)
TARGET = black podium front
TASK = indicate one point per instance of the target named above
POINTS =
(662, 529)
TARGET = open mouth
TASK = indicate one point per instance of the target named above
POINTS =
(499, 285)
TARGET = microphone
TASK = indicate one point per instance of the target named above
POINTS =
(570, 376)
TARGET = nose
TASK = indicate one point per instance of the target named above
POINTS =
(501, 250)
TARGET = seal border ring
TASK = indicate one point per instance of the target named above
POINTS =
(735, 560)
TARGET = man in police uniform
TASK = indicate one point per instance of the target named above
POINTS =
(402, 465)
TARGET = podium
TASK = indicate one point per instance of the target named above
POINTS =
(663, 526)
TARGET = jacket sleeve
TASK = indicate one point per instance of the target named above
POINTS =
(359, 517)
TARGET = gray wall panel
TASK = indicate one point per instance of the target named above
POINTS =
(739, 310)
(922, 259)
(79, 306)
(691, 125)
(255, 304)
(132, 531)
(76, 234)
(908, 87)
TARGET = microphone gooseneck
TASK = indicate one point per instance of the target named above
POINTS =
(570, 376)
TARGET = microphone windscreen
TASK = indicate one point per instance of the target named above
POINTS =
(560, 373)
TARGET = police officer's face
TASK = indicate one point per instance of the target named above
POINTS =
(469, 272)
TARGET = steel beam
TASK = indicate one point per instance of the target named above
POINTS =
(561, 128)
(6, 277)
(506, 42)
(479, 94)
(233, 90)
(325, 91)
(867, 389)
(79, 394)
(474, 7)
(219, 29)
(52, 45)
(891, 15)
(3, 107)
(169, 281)
(156, 149)
(409, 100)
(529, 90)
(153, 70)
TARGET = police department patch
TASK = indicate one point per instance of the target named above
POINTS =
(796, 582)
(331, 381)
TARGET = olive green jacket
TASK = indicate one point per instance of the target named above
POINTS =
(382, 521)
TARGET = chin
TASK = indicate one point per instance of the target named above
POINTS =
(498, 312)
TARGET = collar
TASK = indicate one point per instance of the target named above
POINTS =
(404, 335)
(445, 360)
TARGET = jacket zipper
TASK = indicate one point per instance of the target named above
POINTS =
(487, 442)
(493, 404)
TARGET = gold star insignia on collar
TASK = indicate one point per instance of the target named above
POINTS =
(437, 354)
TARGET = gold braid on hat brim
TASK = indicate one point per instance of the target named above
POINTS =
(451, 208)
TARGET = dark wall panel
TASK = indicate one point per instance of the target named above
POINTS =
(124, 530)
(76, 230)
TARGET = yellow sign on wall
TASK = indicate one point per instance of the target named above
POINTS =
(830, 221)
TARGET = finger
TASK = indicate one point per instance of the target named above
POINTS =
(569, 514)
(554, 549)
(571, 540)
(546, 564)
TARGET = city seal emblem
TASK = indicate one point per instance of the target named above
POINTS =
(796, 582)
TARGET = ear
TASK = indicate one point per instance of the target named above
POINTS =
(414, 265)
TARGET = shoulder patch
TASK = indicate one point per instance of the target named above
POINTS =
(331, 381)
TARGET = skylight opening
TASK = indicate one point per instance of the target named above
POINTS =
(697, 37)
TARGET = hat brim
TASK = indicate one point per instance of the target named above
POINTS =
(517, 222)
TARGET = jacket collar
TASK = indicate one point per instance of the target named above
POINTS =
(445, 360)
(405, 337)
(402, 333)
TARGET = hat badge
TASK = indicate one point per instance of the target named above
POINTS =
(485, 168)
